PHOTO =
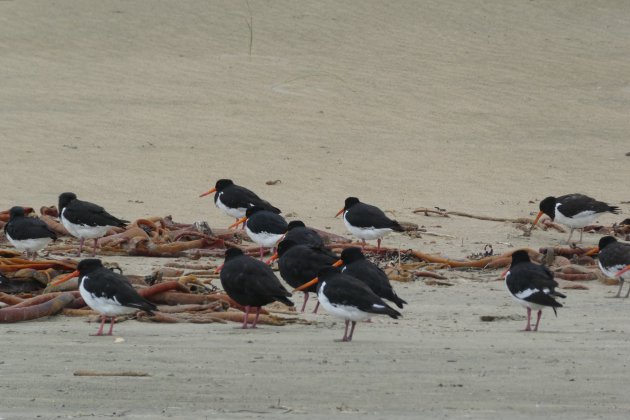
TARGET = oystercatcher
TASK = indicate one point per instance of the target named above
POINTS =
(300, 263)
(573, 210)
(85, 220)
(251, 283)
(532, 286)
(107, 292)
(234, 200)
(613, 258)
(347, 298)
(27, 234)
(264, 227)
(356, 265)
(366, 221)
(299, 233)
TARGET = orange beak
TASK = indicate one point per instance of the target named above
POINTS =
(592, 251)
(620, 273)
(338, 263)
(65, 279)
(272, 258)
(540, 213)
(340, 211)
(218, 269)
(238, 222)
(505, 272)
(306, 285)
(208, 192)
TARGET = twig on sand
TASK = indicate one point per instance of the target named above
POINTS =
(99, 373)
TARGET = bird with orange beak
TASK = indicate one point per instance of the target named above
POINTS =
(614, 260)
(234, 200)
(264, 227)
(573, 210)
(367, 222)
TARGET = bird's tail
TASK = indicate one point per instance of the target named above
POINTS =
(398, 301)
(613, 209)
(285, 300)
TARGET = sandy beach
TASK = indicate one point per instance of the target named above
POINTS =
(481, 106)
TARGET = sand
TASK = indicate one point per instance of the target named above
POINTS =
(478, 106)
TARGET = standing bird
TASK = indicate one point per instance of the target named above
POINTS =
(574, 211)
(264, 227)
(107, 292)
(251, 283)
(366, 221)
(613, 258)
(27, 233)
(85, 220)
(300, 263)
(356, 265)
(234, 200)
(299, 233)
(348, 298)
(532, 286)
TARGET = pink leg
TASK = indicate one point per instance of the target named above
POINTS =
(316, 307)
(378, 244)
(111, 324)
(538, 319)
(256, 319)
(245, 316)
(94, 250)
(529, 319)
(345, 333)
(80, 246)
(262, 252)
(362, 243)
(100, 330)
(305, 300)
(354, 323)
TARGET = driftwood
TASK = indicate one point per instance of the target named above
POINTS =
(51, 307)
(97, 373)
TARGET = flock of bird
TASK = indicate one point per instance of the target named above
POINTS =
(348, 286)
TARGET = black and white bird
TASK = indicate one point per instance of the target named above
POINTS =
(298, 232)
(367, 222)
(264, 227)
(108, 293)
(573, 210)
(532, 286)
(27, 234)
(356, 265)
(251, 283)
(348, 298)
(234, 200)
(299, 263)
(614, 257)
(85, 220)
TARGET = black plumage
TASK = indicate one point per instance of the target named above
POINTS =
(613, 257)
(349, 298)
(28, 234)
(532, 286)
(366, 221)
(299, 233)
(300, 263)
(234, 200)
(356, 265)
(251, 283)
(86, 220)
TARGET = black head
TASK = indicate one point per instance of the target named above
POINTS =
(548, 206)
(223, 183)
(65, 199)
(520, 256)
(605, 241)
(285, 245)
(253, 210)
(350, 201)
(295, 224)
(17, 211)
(349, 255)
(231, 253)
(88, 265)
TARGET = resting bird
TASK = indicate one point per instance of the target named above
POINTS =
(251, 283)
(85, 220)
(27, 234)
(356, 265)
(367, 222)
(264, 227)
(573, 210)
(234, 200)
(107, 292)
(347, 298)
(532, 286)
(614, 257)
